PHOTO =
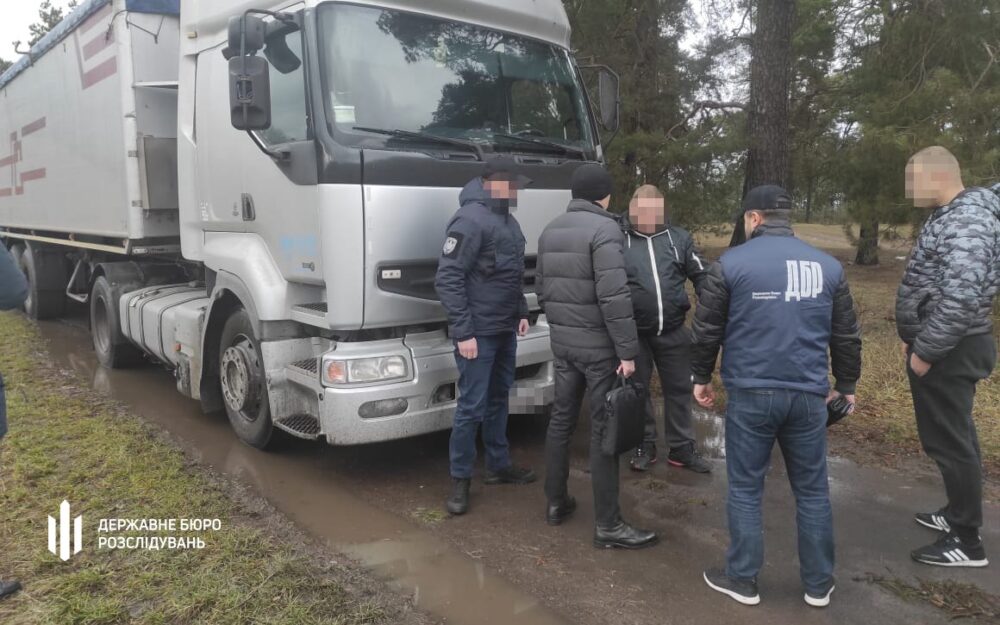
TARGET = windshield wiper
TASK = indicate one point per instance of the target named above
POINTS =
(552, 145)
(425, 136)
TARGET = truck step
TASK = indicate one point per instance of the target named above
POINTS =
(311, 314)
(300, 426)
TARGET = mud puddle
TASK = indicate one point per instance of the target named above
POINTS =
(302, 480)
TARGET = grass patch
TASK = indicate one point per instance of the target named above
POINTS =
(428, 516)
(65, 443)
(958, 600)
(884, 427)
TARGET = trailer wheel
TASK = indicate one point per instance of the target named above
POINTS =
(46, 274)
(16, 252)
(244, 386)
(113, 350)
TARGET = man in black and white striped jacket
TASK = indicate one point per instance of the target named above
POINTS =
(660, 258)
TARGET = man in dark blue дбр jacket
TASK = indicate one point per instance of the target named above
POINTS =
(13, 292)
(778, 305)
(479, 280)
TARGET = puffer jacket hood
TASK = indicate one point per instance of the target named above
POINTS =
(475, 191)
(952, 275)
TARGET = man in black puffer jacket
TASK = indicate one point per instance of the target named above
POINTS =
(944, 312)
(582, 287)
(479, 280)
(660, 258)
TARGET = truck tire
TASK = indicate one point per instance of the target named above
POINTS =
(16, 252)
(243, 382)
(47, 278)
(113, 350)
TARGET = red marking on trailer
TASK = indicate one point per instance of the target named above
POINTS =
(17, 179)
(91, 76)
(34, 126)
(101, 42)
(94, 19)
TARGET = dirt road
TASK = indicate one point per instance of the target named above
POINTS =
(501, 564)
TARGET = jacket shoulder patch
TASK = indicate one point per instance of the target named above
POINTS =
(452, 244)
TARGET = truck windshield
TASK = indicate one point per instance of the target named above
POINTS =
(391, 73)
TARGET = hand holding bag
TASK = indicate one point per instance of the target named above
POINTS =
(624, 417)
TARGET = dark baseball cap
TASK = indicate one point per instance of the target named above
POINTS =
(767, 197)
(505, 168)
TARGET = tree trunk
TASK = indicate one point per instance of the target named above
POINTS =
(767, 113)
(868, 243)
(810, 187)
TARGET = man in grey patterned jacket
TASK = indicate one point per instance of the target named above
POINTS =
(944, 316)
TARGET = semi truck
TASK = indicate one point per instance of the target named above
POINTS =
(254, 193)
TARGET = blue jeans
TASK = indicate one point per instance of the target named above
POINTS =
(755, 419)
(483, 399)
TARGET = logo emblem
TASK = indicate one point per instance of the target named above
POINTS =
(449, 245)
(60, 536)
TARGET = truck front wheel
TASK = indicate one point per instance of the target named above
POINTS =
(112, 348)
(46, 274)
(244, 385)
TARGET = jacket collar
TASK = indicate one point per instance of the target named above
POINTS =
(765, 230)
(587, 206)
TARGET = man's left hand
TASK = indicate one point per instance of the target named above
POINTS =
(919, 365)
(522, 327)
(704, 395)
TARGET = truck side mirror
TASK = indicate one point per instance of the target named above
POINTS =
(249, 93)
(609, 99)
(256, 32)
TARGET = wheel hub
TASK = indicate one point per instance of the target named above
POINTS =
(241, 379)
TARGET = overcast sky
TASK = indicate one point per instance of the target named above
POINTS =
(15, 16)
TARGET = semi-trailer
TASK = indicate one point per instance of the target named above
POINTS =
(254, 193)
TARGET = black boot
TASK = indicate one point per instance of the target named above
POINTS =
(559, 512)
(623, 536)
(510, 475)
(458, 503)
(9, 588)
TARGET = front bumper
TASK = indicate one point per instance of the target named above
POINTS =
(434, 370)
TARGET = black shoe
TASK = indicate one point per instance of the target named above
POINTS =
(643, 458)
(9, 588)
(687, 457)
(559, 512)
(458, 503)
(624, 536)
(823, 599)
(510, 475)
(744, 591)
(933, 520)
(950, 550)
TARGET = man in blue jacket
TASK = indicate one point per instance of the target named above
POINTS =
(479, 281)
(659, 259)
(779, 306)
(13, 292)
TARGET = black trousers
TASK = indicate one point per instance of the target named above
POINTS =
(942, 401)
(571, 381)
(670, 353)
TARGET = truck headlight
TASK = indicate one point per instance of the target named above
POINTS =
(362, 370)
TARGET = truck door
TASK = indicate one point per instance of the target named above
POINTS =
(222, 150)
(282, 192)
